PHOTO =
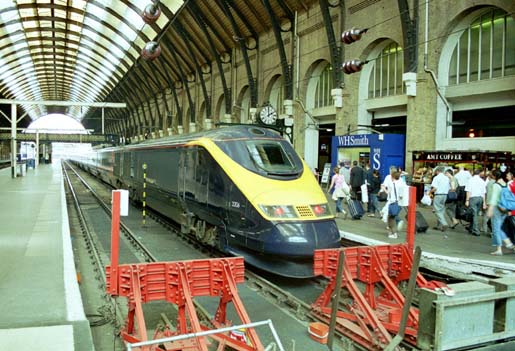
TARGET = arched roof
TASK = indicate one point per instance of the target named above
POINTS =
(89, 50)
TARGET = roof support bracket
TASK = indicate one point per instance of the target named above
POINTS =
(241, 41)
(286, 68)
(335, 50)
(197, 15)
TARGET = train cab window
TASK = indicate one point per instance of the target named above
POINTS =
(273, 158)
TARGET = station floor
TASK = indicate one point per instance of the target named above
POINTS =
(40, 303)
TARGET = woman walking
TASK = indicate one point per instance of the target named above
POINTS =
(499, 237)
(339, 186)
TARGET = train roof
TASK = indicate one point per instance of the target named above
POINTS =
(218, 134)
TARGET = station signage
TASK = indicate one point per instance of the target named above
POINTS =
(444, 157)
(353, 140)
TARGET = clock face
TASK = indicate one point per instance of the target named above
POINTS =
(268, 115)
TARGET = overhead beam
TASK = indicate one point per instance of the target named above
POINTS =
(64, 103)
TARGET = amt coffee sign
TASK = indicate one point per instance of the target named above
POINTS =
(353, 140)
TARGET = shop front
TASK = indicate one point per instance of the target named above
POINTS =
(424, 163)
(379, 150)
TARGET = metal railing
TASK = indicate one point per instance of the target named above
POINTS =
(212, 332)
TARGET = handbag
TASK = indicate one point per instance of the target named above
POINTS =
(426, 200)
(394, 208)
(364, 193)
(451, 196)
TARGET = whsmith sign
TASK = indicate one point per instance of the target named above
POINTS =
(353, 140)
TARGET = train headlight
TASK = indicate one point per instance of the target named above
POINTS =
(279, 211)
(320, 210)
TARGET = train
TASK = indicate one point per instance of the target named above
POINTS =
(242, 189)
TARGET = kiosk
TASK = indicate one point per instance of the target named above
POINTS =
(380, 150)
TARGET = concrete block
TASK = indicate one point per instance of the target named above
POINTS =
(505, 308)
(454, 326)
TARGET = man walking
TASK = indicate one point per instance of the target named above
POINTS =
(357, 179)
(440, 187)
(475, 199)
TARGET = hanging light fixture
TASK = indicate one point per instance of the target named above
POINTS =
(151, 51)
(151, 12)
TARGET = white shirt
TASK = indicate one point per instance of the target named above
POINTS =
(441, 183)
(388, 183)
(397, 187)
(476, 186)
(462, 177)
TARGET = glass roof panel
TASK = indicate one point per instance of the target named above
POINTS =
(73, 39)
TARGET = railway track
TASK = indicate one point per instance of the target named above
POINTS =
(134, 247)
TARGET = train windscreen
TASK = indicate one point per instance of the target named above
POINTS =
(272, 158)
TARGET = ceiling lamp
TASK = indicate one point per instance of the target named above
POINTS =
(151, 51)
(151, 12)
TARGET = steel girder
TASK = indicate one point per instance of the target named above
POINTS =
(226, 8)
(202, 23)
(285, 66)
(409, 33)
(333, 48)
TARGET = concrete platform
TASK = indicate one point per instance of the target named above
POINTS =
(40, 306)
(460, 254)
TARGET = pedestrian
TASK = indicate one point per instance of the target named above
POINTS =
(450, 205)
(345, 171)
(357, 179)
(339, 186)
(374, 186)
(394, 196)
(463, 176)
(386, 186)
(499, 237)
(475, 199)
(490, 181)
(439, 188)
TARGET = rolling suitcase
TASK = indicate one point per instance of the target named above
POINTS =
(355, 209)
(420, 223)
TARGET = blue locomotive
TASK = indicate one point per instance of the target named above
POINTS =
(243, 189)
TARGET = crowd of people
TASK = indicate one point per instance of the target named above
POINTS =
(475, 199)
(484, 202)
(363, 185)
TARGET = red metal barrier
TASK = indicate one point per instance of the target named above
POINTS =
(177, 283)
(373, 307)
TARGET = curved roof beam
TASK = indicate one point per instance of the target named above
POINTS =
(31, 48)
(93, 69)
(66, 72)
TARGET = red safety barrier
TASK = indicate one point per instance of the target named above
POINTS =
(371, 275)
(178, 283)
